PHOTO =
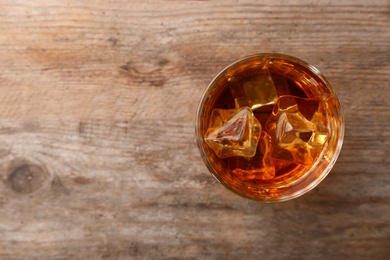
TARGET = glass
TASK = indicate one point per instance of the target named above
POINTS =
(269, 127)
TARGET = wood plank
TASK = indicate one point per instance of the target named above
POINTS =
(98, 156)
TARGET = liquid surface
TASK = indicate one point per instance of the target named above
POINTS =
(281, 133)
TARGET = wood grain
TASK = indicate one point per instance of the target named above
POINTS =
(98, 156)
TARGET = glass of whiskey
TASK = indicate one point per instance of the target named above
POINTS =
(269, 127)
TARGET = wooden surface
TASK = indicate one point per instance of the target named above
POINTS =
(98, 158)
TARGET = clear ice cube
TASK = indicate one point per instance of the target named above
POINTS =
(233, 132)
(257, 91)
(296, 129)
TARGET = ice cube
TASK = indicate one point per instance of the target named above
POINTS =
(233, 132)
(258, 167)
(320, 117)
(305, 106)
(296, 131)
(282, 166)
(280, 66)
(257, 90)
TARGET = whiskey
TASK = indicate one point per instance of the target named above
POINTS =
(269, 127)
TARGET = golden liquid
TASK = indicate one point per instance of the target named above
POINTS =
(290, 79)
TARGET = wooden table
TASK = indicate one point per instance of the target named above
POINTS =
(98, 156)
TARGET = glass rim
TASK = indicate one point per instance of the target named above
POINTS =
(340, 137)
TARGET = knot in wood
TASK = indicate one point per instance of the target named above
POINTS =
(27, 178)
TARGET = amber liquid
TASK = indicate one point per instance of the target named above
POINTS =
(285, 171)
(292, 80)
